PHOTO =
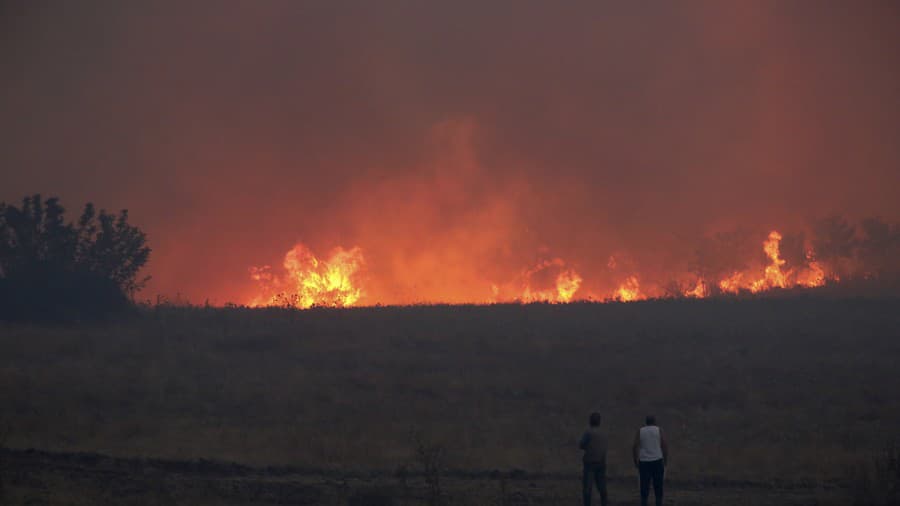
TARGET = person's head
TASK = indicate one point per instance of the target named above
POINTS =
(650, 420)
(594, 419)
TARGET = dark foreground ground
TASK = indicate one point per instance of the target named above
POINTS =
(772, 401)
(40, 478)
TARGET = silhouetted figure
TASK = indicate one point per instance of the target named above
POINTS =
(650, 454)
(594, 443)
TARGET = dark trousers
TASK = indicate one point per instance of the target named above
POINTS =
(594, 473)
(652, 471)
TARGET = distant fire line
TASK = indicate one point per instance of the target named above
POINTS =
(336, 281)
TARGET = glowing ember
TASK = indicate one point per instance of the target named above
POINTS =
(310, 281)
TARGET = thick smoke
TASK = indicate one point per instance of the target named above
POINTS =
(460, 145)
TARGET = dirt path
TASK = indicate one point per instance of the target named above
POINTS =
(43, 478)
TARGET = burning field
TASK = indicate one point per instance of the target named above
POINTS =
(457, 231)
(340, 279)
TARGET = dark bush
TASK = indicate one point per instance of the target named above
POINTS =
(51, 270)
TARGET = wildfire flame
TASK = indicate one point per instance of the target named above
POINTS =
(774, 275)
(814, 275)
(699, 291)
(335, 281)
(732, 284)
(310, 281)
(566, 283)
(629, 290)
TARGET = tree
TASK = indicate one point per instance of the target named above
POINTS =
(879, 249)
(53, 270)
(834, 243)
(834, 237)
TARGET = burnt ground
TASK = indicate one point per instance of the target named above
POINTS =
(33, 477)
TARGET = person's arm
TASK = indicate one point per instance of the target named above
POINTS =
(585, 439)
(665, 447)
(635, 446)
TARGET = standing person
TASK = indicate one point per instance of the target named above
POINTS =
(594, 443)
(650, 454)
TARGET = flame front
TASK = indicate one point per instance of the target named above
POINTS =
(335, 281)
(310, 281)
(774, 275)
(430, 239)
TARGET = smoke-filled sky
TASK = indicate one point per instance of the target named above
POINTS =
(456, 143)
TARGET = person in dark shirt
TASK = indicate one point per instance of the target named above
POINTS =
(594, 444)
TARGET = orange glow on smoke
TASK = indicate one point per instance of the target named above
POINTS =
(310, 281)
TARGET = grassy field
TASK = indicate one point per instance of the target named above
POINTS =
(781, 393)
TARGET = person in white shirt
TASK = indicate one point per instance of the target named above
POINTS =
(650, 454)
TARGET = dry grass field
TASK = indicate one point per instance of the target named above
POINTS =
(764, 401)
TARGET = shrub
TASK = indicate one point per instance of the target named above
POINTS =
(53, 270)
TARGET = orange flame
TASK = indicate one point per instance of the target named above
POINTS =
(699, 291)
(334, 281)
(774, 278)
(566, 284)
(732, 284)
(774, 275)
(814, 275)
(629, 290)
(310, 281)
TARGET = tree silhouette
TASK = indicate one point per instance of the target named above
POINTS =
(53, 270)
(879, 249)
